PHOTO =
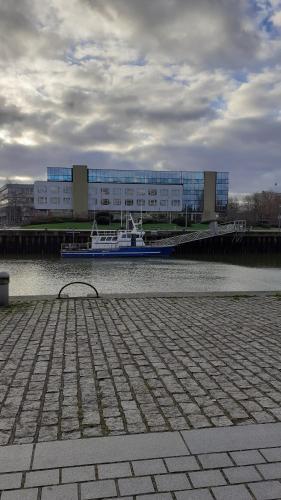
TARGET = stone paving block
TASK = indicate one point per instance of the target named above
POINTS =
(15, 458)
(108, 449)
(195, 495)
(207, 478)
(148, 467)
(242, 474)
(270, 471)
(98, 489)
(42, 478)
(249, 457)
(135, 486)
(155, 496)
(233, 439)
(172, 482)
(238, 492)
(108, 471)
(181, 464)
(272, 454)
(62, 492)
(10, 481)
(215, 460)
(266, 490)
(30, 494)
(78, 474)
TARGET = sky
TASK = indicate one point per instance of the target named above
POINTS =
(142, 84)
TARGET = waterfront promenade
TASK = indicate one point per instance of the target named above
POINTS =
(141, 397)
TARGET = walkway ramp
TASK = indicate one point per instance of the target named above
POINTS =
(219, 230)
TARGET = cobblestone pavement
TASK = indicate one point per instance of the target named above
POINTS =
(238, 463)
(96, 367)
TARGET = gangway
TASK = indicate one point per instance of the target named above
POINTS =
(213, 231)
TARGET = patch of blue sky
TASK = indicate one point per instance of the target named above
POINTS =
(176, 79)
(218, 104)
(140, 61)
(240, 76)
(268, 26)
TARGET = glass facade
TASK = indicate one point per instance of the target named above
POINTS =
(134, 176)
(222, 186)
(193, 191)
(55, 174)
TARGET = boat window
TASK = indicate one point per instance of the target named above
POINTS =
(103, 238)
(124, 236)
(108, 238)
(114, 238)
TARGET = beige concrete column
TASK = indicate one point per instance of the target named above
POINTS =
(80, 191)
(209, 211)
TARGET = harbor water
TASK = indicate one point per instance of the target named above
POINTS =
(45, 276)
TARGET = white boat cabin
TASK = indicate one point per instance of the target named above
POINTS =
(122, 238)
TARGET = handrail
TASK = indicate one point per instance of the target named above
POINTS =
(77, 283)
(220, 230)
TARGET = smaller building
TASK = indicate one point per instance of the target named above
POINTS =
(16, 204)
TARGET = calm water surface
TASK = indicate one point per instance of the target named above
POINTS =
(40, 276)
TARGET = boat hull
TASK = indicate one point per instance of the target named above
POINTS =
(120, 252)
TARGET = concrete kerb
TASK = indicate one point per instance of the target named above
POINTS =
(241, 294)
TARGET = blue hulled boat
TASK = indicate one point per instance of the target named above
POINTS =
(119, 243)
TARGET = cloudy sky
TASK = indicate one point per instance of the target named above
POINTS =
(162, 84)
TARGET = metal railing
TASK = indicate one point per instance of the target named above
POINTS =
(219, 230)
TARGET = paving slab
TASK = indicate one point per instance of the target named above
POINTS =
(15, 458)
(113, 449)
(235, 438)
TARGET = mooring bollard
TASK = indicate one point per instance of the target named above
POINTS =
(4, 289)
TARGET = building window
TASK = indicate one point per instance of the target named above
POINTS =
(152, 192)
(163, 203)
(42, 189)
(164, 192)
(117, 201)
(117, 191)
(42, 200)
(141, 203)
(175, 203)
(105, 201)
(141, 191)
(67, 190)
(129, 203)
(104, 190)
(66, 200)
(152, 203)
(175, 192)
(129, 191)
(54, 189)
(54, 200)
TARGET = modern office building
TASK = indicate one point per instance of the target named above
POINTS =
(80, 192)
(16, 204)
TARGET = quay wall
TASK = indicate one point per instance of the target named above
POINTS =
(48, 242)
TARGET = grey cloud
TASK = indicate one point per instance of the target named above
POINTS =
(209, 31)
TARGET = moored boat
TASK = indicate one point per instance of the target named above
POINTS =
(119, 243)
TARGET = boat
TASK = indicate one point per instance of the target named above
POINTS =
(127, 242)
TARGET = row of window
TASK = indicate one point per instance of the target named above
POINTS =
(138, 191)
(54, 189)
(54, 200)
(134, 176)
(139, 203)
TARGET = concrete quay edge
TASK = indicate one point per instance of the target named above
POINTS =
(143, 295)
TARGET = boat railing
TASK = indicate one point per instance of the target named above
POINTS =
(75, 246)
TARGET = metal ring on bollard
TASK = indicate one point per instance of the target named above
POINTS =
(77, 283)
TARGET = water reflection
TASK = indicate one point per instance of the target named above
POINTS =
(46, 276)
